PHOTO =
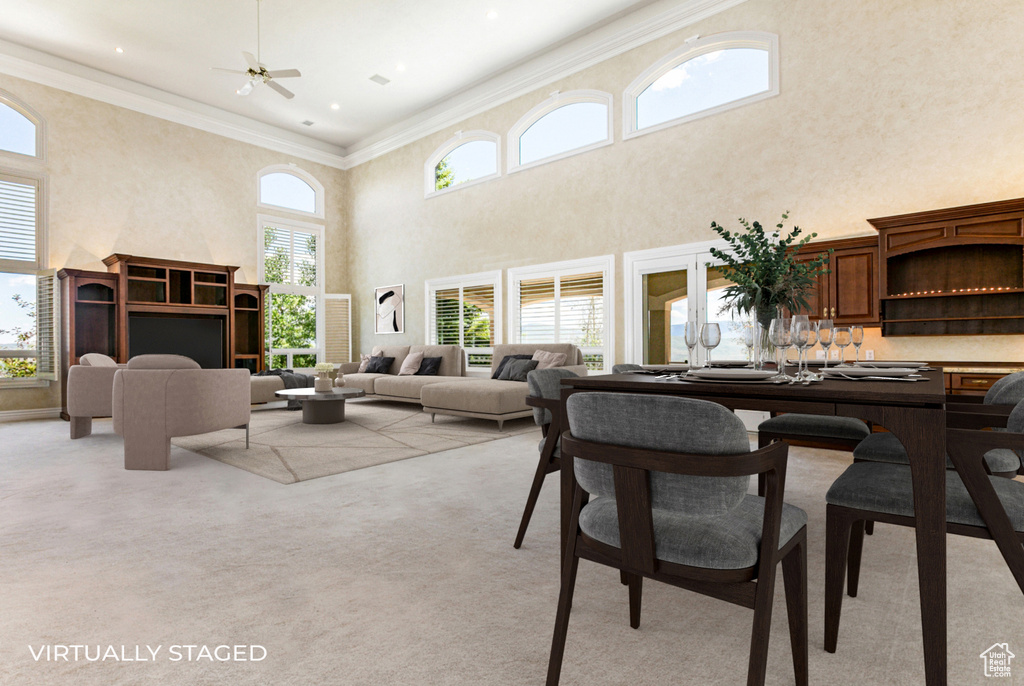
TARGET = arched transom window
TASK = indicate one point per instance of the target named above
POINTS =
(289, 188)
(563, 125)
(21, 129)
(468, 158)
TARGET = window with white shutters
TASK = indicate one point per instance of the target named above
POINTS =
(338, 328)
(19, 221)
(565, 303)
(465, 311)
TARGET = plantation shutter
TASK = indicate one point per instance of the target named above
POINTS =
(581, 305)
(338, 324)
(446, 325)
(18, 220)
(538, 311)
(46, 327)
(478, 335)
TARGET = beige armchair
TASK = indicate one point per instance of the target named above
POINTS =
(89, 389)
(153, 403)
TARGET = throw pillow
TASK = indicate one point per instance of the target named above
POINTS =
(546, 360)
(364, 360)
(379, 365)
(505, 360)
(429, 367)
(411, 364)
(516, 370)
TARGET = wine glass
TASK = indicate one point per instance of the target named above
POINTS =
(825, 332)
(857, 334)
(748, 340)
(804, 337)
(710, 337)
(691, 332)
(781, 337)
(842, 338)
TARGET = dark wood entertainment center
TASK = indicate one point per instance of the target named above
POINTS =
(97, 309)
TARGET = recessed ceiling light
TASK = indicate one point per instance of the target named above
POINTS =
(307, 123)
(335, 106)
(493, 14)
(119, 50)
(399, 67)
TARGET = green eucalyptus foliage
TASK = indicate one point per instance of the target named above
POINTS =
(765, 274)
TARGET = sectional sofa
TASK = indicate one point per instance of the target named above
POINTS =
(451, 391)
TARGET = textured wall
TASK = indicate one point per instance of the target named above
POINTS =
(885, 108)
(120, 181)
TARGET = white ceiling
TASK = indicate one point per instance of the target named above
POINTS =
(446, 46)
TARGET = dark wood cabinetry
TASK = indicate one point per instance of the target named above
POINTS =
(849, 293)
(192, 308)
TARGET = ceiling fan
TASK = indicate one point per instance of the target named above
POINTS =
(258, 73)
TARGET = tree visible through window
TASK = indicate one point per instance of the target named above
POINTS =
(465, 316)
(17, 325)
(474, 159)
(290, 267)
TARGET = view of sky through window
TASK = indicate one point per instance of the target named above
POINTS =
(13, 317)
(282, 189)
(17, 133)
(564, 129)
(471, 161)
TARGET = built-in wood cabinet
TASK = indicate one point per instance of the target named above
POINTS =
(848, 294)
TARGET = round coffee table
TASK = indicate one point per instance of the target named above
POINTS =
(321, 408)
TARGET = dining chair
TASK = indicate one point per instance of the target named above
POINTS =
(667, 479)
(1006, 392)
(977, 504)
(545, 390)
(625, 368)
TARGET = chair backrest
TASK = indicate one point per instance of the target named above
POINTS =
(665, 424)
(1008, 390)
(546, 383)
(162, 362)
(97, 360)
(623, 368)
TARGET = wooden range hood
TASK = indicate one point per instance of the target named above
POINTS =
(953, 271)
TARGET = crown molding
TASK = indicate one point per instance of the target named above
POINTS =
(618, 37)
(48, 70)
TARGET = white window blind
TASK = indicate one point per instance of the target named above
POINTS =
(46, 325)
(338, 328)
(464, 311)
(19, 215)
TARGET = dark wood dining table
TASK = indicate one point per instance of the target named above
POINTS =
(913, 411)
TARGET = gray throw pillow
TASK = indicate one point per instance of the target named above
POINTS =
(504, 362)
(516, 370)
(379, 365)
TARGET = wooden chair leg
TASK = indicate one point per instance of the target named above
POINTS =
(857, 530)
(794, 575)
(837, 542)
(869, 528)
(623, 578)
(636, 587)
(761, 631)
(569, 567)
(531, 500)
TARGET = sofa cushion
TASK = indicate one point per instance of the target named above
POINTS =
(162, 362)
(363, 381)
(516, 370)
(504, 363)
(546, 360)
(263, 388)
(429, 366)
(573, 356)
(411, 386)
(486, 396)
(397, 352)
(451, 356)
(379, 365)
(97, 360)
(364, 361)
(411, 364)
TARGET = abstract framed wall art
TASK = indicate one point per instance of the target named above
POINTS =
(389, 306)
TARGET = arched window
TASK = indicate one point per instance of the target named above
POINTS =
(286, 187)
(565, 124)
(704, 77)
(470, 157)
(21, 129)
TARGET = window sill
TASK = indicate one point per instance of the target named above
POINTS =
(24, 383)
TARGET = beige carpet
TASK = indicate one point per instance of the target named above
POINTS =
(283, 449)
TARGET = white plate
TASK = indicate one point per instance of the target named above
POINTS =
(728, 363)
(894, 372)
(731, 374)
(874, 364)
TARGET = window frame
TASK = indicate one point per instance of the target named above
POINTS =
(299, 173)
(693, 48)
(604, 264)
(556, 101)
(491, 278)
(318, 291)
(18, 105)
(449, 146)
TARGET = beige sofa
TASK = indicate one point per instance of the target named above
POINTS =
(451, 392)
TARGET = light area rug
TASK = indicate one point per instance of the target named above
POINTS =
(283, 449)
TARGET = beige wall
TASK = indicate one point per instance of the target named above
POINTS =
(885, 108)
(120, 181)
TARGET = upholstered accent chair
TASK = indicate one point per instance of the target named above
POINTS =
(158, 397)
(625, 368)
(977, 504)
(89, 391)
(660, 491)
(545, 390)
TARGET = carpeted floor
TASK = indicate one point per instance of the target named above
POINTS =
(374, 432)
(403, 574)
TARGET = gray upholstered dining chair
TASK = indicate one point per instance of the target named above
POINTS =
(668, 481)
(545, 392)
(812, 430)
(1007, 391)
(977, 504)
(625, 368)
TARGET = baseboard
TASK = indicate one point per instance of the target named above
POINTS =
(19, 415)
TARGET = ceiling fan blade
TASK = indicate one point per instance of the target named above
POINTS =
(281, 89)
(230, 71)
(284, 74)
(250, 59)
(246, 89)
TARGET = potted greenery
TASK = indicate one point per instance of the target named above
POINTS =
(766, 276)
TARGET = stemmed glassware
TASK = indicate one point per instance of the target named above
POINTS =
(691, 333)
(804, 337)
(842, 338)
(825, 332)
(857, 334)
(710, 337)
(782, 338)
(749, 331)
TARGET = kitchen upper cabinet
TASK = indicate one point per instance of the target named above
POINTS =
(849, 293)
